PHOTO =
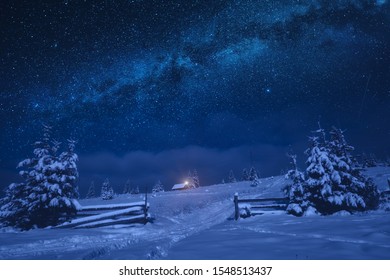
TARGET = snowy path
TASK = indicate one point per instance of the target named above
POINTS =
(157, 242)
(154, 239)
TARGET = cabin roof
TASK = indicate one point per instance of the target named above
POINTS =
(179, 186)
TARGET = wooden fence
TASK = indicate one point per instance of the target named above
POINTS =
(259, 205)
(107, 215)
(385, 197)
(385, 193)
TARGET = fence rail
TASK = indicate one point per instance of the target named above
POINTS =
(111, 214)
(256, 204)
(385, 193)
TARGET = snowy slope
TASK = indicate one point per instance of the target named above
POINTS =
(198, 224)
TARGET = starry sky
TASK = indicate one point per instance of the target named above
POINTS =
(153, 88)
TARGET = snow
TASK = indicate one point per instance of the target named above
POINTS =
(199, 224)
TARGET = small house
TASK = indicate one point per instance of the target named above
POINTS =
(183, 186)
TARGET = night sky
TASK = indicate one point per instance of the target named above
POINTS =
(153, 88)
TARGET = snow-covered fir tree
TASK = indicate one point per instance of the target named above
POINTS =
(318, 178)
(232, 178)
(253, 177)
(245, 175)
(387, 161)
(253, 174)
(195, 179)
(369, 160)
(49, 191)
(107, 191)
(158, 187)
(350, 183)
(295, 189)
(127, 187)
(68, 171)
(190, 179)
(135, 190)
(91, 190)
(331, 183)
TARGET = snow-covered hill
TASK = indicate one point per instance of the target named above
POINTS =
(199, 224)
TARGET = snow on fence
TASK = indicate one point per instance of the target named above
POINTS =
(257, 206)
(109, 214)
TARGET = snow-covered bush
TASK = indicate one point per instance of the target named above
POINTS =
(49, 191)
(330, 183)
(245, 210)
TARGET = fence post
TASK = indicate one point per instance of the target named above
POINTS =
(236, 211)
(146, 205)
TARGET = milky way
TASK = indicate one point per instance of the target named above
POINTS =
(154, 75)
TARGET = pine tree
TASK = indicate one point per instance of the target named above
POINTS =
(253, 174)
(387, 161)
(253, 177)
(14, 209)
(355, 191)
(195, 179)
(47, 195)
(68, 171)
(91, 190)
(369, 160)
(158, 187)
(318, 187)
(232, 178)
(295, 189)
(245, 175)
(127, 187)
(135, 190)
(190, 179)
(330, 182)
(107, 192)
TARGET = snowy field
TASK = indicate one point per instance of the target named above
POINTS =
(199, 224)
